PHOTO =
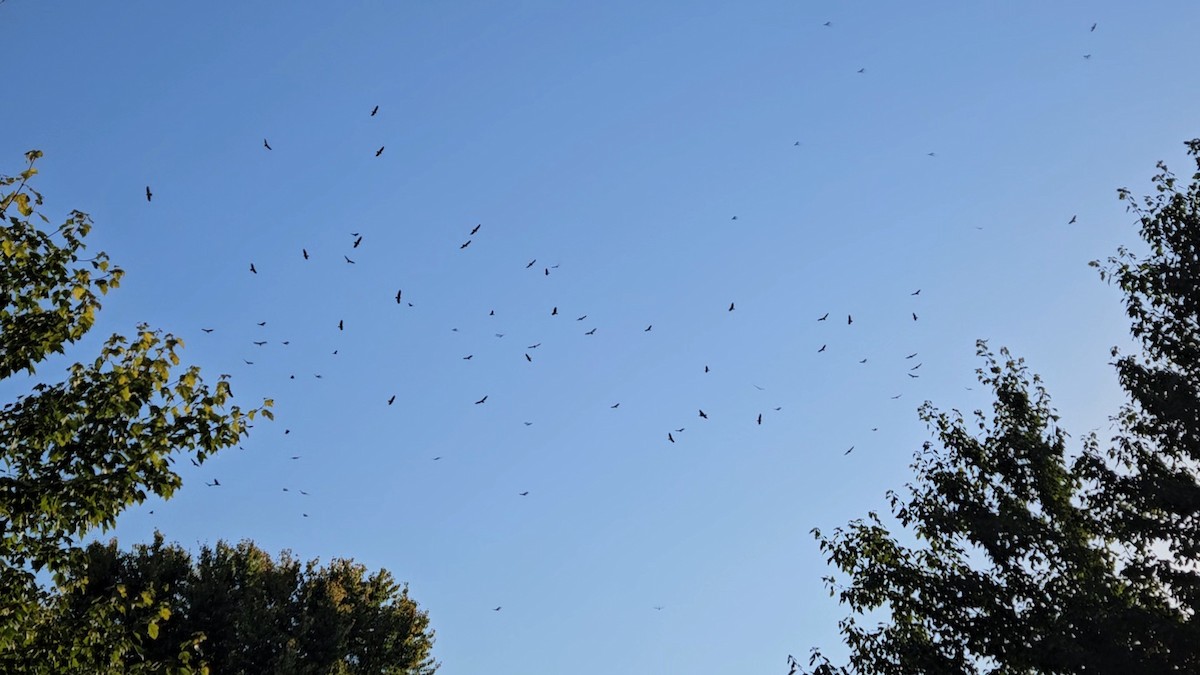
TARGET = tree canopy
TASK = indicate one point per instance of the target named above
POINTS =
(1024, 557)
(261, 615)
(74, 454)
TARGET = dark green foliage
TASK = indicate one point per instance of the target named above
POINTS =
(74, 454)
(260, 615)
(1027, 560)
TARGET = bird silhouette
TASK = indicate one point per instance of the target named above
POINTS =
(392, 399)
(1093, 28)
(496, 610)
(524, 494)
(249, 363)
(149, 194)
(824, 317)
(1072, 220)
(706, 369)
(379, 151)
(399, 293)
(862, 70)
(252, 270)
(863, 361)
(582, 318)
(1087, 56)
(357, 241)
(208, 330)
(374, 110)
(468, 357)
(911, 355)
(266, 144)
(547, 270)
(554, 312)
(466, 244)
(828, 24)
(849, 451)
(849, 319)
(476, 229)
(260, 343)
(648, 328)
(215, 483)
(912, 376)
(757, 387)
(591, 332)
(917, 366)
(680, 430)
(304, 251)
(534, 346)
(931, 154)
(262, 323)
(897, 396)
(760, 418)
(531, 263)
(670, 437)
(822, 348)
(914, 316)
(481, 400)
(528, 358)
(341, 325)
(615, 406)
(348, 260)
(492, 313)
(733, 218)
(731, 306)
(703, 415)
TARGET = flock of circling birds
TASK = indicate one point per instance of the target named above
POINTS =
(670, 435)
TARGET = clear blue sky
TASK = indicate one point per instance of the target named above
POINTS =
(617, 141)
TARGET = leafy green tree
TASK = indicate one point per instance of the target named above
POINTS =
(1023, 558)
(74, 454)
(259, 615)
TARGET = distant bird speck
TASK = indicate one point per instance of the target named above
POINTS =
(476, 229)
(481, 400)
(266, 144)
(149, 194)
(826, 316)
(1072, 220)
(703, 415)
(374, 110)
(252, 270)
(348, 260)
(379, 151)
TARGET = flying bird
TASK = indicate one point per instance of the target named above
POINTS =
(911, 355)
(862, 70)
(582, 318)
(615, 406)
(757, 387)
(822, 348)
(348, 260)
(466, 244)
(341, 325)
(357, 241)
(648, 328)
(374, 110)
(1087, 56)
(534, 346)
(916, 292)
(262, 323)
(528, 358)
(398, 294)
(824, 317)
(215, 483)
(496, 610)
(849, 319)
(392, 399)
(547, 271)
(703, 415)
(379, 151)
(760, 418)
(828, 24)
(1093, 29)
(916, 366)
(914, 316)
(848, 451)
(733, 218)
(591, 332)
(149, 194)
(731, 306)
(531, 263)
(863, 361)
(554, 312)
(468, 357)
(706, 369)
(252, 270)
(260, 343)
(670, 437)
(524, 494)
(481, 400)
(249, 363)
(305, 252)
(266, 144)
(931, 154)
(680, 430)
(1072, 220)
(912, 376)
(208, 330)
(897, 396)
(476, 229)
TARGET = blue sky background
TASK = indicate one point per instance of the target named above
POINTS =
(618, 141)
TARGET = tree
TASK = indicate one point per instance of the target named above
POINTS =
(1024, 559)
(259, 615)
(74, 454)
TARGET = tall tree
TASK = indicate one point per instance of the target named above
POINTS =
(1021, 558)
(74, 454)
(259, 615)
